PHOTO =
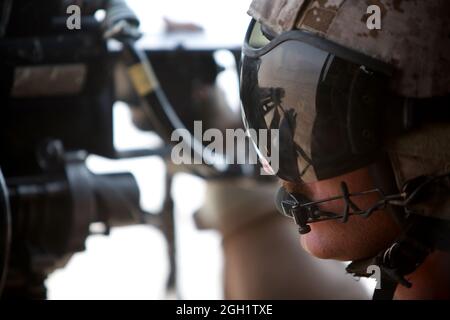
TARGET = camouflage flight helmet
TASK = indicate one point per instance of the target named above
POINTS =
(406, 57)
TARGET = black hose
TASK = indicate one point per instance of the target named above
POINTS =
(159, 107)
(5, 231)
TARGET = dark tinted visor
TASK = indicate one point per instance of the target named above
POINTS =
(305, 88)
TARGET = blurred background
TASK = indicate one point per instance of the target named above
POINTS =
(131, 263)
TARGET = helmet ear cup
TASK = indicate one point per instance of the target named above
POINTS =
(383, 178)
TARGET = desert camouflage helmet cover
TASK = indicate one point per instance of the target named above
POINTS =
(414, 38)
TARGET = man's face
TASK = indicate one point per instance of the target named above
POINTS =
(359, 237)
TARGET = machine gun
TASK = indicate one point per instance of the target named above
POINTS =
(57, 90)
